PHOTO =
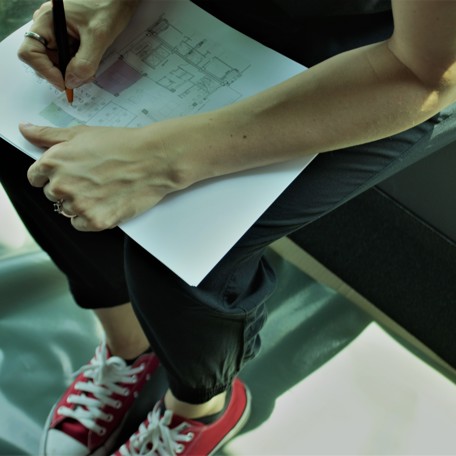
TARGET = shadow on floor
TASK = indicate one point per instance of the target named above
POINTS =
(44, 337)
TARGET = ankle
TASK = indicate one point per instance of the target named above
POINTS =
(192, 411)
(124, 335)
(127, 350)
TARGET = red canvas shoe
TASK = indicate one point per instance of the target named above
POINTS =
(89, 416)
(166, 434)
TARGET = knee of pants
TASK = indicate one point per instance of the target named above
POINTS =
(202, 335)
(241, 281)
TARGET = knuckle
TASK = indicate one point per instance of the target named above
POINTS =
(43, 8)
(58, 189)
(99, 30)
(86, 69)
(46, 165)
(79, 207)
(23, 53)
(94, 221)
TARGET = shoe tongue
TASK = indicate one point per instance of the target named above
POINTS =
(176, 420)
(108, 352)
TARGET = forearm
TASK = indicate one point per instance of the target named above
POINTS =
(356, 97)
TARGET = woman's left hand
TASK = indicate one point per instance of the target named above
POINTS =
(103, 176)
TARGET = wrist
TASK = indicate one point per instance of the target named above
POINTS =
(208, 145)
(187, 147)
(217, 143)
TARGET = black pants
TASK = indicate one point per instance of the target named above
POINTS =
(203, 335)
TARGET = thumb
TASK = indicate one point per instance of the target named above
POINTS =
(83, 66)
(43, 136)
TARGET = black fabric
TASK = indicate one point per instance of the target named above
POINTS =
(403, 266)
(305, 39)
(305, 8)
(92, 263)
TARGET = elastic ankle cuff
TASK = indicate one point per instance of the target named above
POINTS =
(200, 396)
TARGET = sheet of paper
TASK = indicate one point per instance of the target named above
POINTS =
(173, 60)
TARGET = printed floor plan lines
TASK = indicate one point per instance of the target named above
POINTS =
(161, 73)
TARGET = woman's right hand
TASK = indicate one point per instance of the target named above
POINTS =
(92, 27)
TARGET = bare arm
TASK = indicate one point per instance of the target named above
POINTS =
(355, 97)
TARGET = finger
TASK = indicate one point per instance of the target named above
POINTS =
(49, 194)
(37, 176)
(83, 66)
(92, 219)
(44, 7)
(82, 223)
(34, 54)
(44, 136)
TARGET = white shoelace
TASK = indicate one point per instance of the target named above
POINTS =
(155, 438)
(105, 373)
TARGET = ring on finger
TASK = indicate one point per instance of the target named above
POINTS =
(37, 37)
(58, 207)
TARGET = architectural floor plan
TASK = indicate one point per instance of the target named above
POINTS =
(163, 72)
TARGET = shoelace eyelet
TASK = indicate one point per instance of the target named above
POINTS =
(180, 448)
(109, 418)
(117, 405)
(101, 432)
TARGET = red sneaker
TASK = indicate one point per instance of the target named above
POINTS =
(171, 435)
(89, 416)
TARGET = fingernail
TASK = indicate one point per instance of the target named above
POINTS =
(72, 81)
(25, 124)
(59, 88)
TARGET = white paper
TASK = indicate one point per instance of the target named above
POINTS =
(174, 59)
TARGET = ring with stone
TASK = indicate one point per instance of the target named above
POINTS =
(58, 207)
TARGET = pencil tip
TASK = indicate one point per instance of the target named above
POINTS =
(69, 95)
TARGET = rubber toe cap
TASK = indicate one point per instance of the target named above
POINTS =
(61, 444)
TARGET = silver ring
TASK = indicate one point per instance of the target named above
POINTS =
(37, 37)
(58, 207)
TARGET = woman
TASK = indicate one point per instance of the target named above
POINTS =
(377, 81)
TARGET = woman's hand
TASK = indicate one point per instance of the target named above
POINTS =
(92, 27)
(104, 176)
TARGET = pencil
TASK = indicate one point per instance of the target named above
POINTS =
(61, 38)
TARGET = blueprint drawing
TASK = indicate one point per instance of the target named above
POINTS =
(162, 73)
